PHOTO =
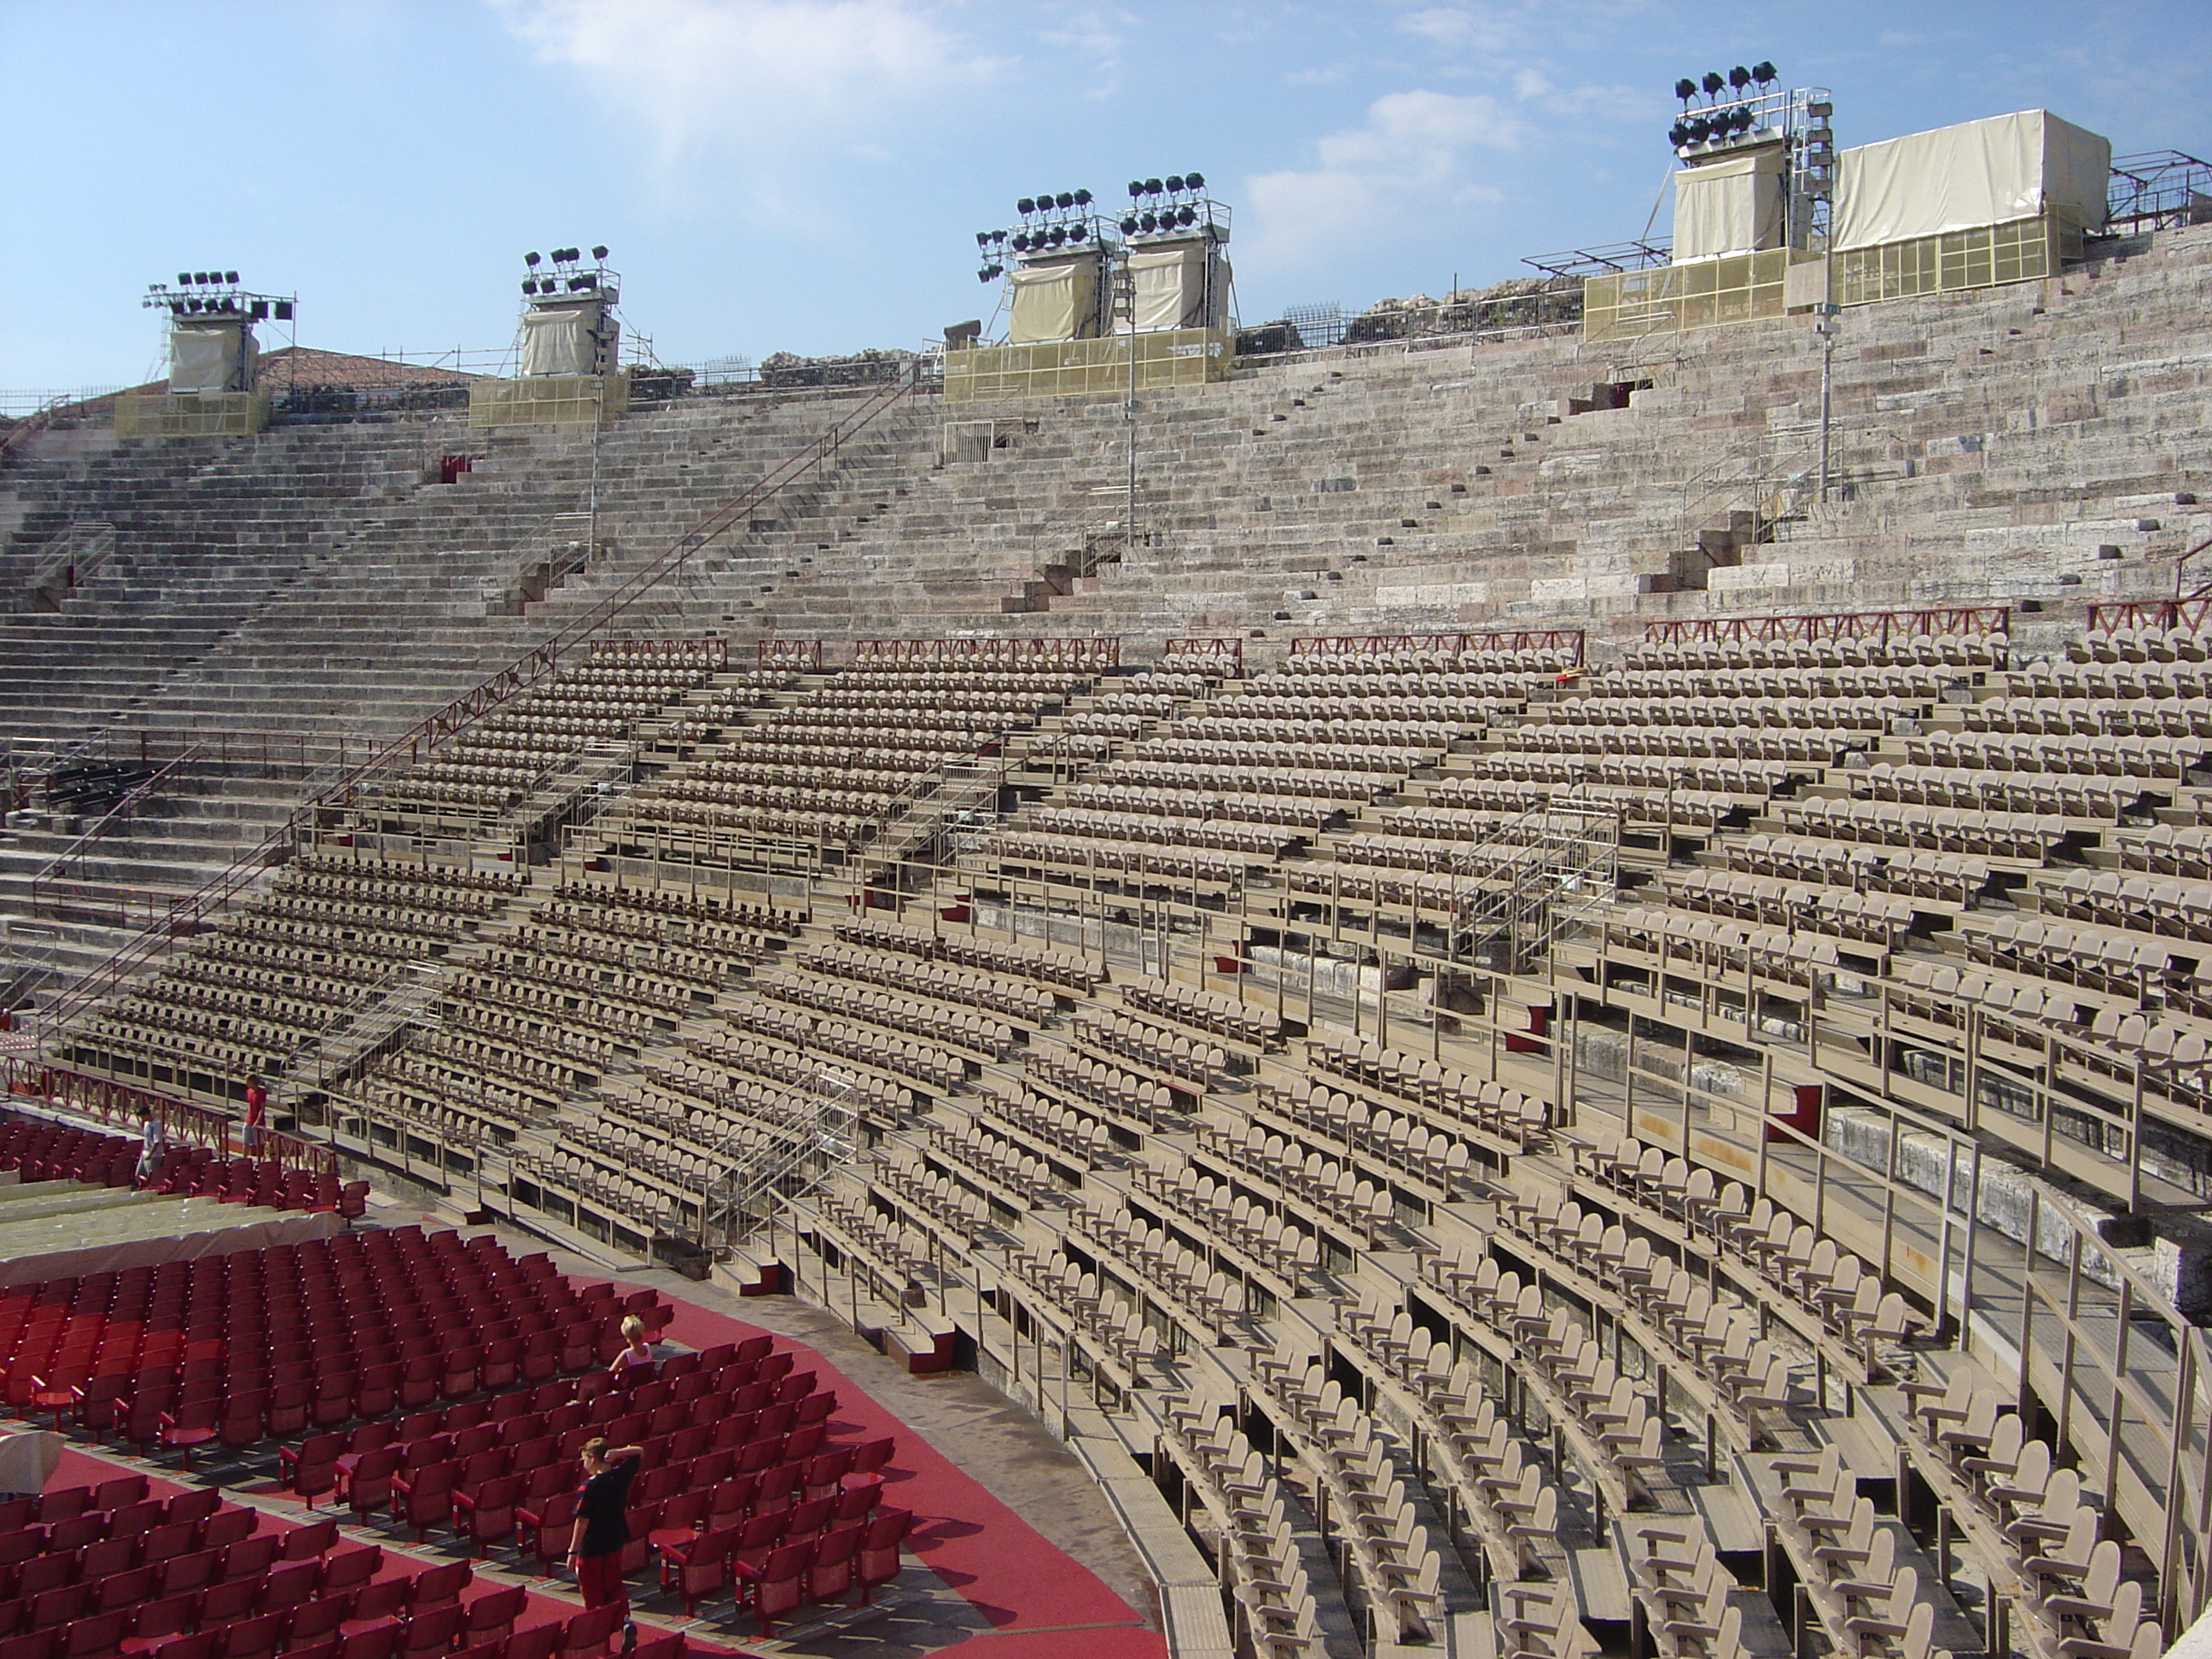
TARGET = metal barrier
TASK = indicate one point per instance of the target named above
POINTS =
(61, 1088)
(1879, 626)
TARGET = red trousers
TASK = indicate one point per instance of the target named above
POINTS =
(600, 1577)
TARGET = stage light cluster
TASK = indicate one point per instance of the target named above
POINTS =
(1724, 116)
(573, 280)
(230, 301)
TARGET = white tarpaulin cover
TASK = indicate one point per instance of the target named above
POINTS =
(205, 357)
(1170, 284)
(1732, 205)
(1056, 300)
(1979, 173)
(561, 340)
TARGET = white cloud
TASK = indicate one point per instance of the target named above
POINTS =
(772, 85)
(1093, 40)
(1412, 152)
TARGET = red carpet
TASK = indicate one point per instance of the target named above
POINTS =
(1038, 1599)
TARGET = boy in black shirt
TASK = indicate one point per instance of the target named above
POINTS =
(596, 1545)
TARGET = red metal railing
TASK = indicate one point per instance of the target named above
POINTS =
(427, 734)
(1025, 653)
(714, 651)
(2190, 614)
(119, 1103)
(803, 655)
(1233, 648)
(1876, 625)
(1441, 644)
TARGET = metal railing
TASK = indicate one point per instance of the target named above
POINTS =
(429, 733)
(61, 1088)
(1877, 626)
(75, 554)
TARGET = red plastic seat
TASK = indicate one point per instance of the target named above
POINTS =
(780, 1584)
(369, 1487)
(192, 1424)
(346, 1571)
(430, 1632)
(291, 1585)
(317, 1621)
(251, 1638)
(305, 1543)
(545, 1526)
(586, 1635)
(423, 1497)
(187, 1572)
(696, 1566)
(492, 1617)
(378, 1643)
(93, 1637)
(225, 1528)
(878, 1559)
(829, 1573)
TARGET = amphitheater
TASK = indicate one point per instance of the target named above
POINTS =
(1502, 1033)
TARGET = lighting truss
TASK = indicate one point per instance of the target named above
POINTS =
(2158, 190)
(1749, 109)
(217, 294)
(573, 273)
(1051, 222)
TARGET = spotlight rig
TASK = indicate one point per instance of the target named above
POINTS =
(1050, 222)
(568, 275)
(216, 293)
(1749, 108)
(1752, 106)
(1174, 206)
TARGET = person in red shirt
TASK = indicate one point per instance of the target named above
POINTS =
(257, 1108)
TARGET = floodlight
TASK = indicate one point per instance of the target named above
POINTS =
(1685, 90)
(1713, 83)
(183, 279)
(1150, 222)
(532, 259)
(1153, 187)
(1700, 128)
(1763, 73)
(176, 308)
(1193, 181)
(1174, 183)
(260, 311)
(1739, 78)
(1741, 119)
(1083, 199)
(1187, 217)
(1065, 200)
(530, 285)
(984, 275)
(982, 239)
(283, 311)
(600, 251)
(230, 277)
(1136, 187)
(1025, 206)
(195, 279)
(1056, 236)
(1129, 226)
(1021, 241)
(1678, 134)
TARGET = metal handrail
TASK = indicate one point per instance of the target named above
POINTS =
(126, 804)
(430, 732)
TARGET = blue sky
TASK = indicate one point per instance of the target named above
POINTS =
(807, 174)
